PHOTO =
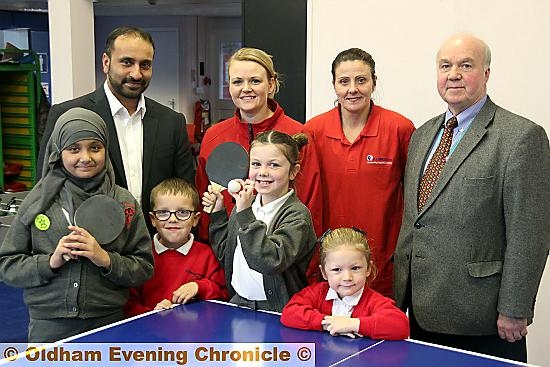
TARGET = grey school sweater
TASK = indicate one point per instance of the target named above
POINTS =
(281, 252)
(78, 288)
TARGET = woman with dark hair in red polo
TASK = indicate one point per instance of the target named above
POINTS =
(362, 150)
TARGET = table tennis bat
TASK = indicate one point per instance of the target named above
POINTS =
(227, 161)
(102, 216)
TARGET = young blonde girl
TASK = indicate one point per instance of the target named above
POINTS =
(266, 243)
(345, 305)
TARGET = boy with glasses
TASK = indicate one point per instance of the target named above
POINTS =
(184, 268)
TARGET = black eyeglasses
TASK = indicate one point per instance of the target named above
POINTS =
(182, 214)
(329, 231)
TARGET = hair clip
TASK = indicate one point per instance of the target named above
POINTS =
(359, 231)
(324, 235)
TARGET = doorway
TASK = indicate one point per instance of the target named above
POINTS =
(164, 87)
(224, 38)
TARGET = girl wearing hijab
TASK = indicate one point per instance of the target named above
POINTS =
(71, 283)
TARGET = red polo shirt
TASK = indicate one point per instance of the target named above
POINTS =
(363, 181)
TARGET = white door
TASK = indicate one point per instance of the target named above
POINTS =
(164, 87)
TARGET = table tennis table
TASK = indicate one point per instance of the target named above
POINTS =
(220, 322)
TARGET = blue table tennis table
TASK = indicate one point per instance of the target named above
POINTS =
(220, 322)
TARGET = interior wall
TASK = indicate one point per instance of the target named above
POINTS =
(404, 36)
(71, 30)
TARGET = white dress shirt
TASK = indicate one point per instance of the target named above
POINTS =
(129, 131)
(249, 283)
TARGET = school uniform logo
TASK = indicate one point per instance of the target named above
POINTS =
(194, 275)
(371, 159)
(129, 212)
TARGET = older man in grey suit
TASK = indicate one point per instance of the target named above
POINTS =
(474, 241)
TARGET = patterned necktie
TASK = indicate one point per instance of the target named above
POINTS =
(435, 166)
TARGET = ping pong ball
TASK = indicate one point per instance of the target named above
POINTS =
(233, 186)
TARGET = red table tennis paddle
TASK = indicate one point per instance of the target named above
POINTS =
(227, 162)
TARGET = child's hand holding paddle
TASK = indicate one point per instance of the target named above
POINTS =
(212, 199)
(83, 244)
(62, 253)
(79, 243)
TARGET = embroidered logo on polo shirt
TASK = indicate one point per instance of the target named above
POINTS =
(379, 160)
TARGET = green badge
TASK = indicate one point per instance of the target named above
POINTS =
(42, 222)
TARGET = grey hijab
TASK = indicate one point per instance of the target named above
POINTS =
(56, 183)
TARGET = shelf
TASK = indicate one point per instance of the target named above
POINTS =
(19, 100)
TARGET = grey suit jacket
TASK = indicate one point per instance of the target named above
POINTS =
(166, 147)
(480, 245)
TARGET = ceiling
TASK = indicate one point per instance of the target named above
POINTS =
(140, 7)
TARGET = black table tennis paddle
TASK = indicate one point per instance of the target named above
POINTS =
(102, 216)
(227, 162)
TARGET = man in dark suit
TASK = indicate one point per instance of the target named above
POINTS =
(148, 142)
(469, 259)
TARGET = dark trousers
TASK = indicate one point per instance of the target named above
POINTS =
(51, 330)
(487, 344)
(255, 305)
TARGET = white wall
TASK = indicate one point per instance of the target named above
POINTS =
(71, 42)
(403, 37)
